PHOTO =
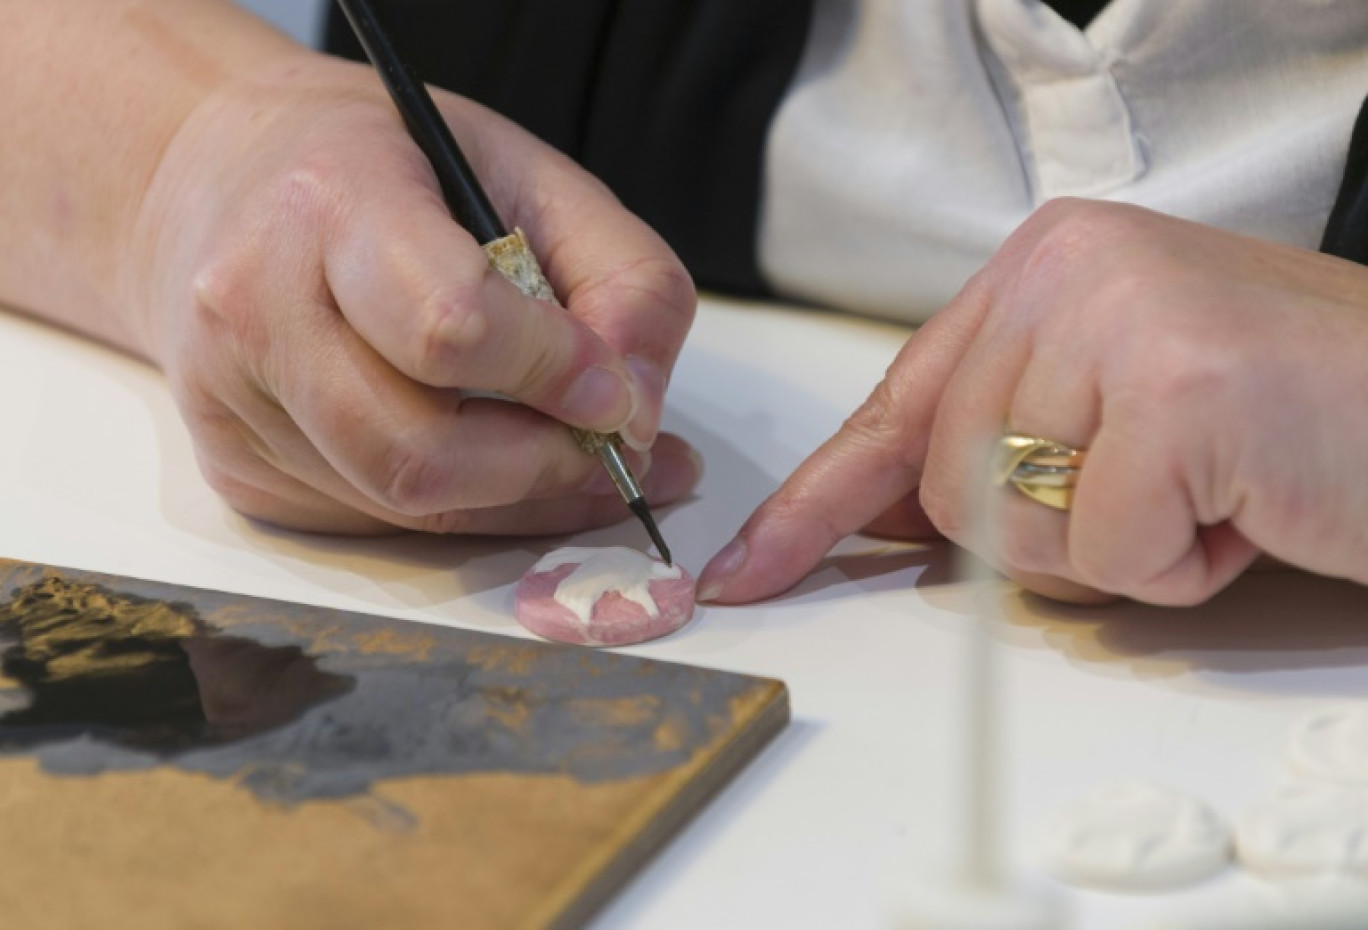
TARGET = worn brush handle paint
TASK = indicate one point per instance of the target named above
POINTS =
(512, 257)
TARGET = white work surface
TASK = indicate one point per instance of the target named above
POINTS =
(857, 799)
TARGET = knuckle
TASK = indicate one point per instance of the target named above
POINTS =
(452, 325)
(224, 302)
(411, 479)
(945, 514)
(233, 460)
(1168, 371)
(1063, 210)
(1101, 570)
(1097, 569)
(540, 366)
(670, 283)
(599, 512)
(220, 480)
(788, 509)
(220, 434)
(225, 288)
(655, 282)
(445, 523)
(1062, 233)
(1184, 582)
(589, 513)
(1027, 551)
(560, 469)
(220, 287)
(1082, 217)
(238, 494)
(1166, 593)
(550, 478)
(1187, 371)
(1163, 596)
(198, 401)
(1183, 596)
(879, 424)
(310, 190)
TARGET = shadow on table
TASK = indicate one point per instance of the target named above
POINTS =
(1267, 622)
(1258, 634)
(863, 566)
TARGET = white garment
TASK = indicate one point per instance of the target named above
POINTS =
(919, 133)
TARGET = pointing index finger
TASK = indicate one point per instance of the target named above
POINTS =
(874, 460)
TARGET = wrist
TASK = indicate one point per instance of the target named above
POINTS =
(96, 90)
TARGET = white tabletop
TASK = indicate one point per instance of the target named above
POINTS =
(856, 802)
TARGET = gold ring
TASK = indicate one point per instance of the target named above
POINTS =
(1042, 469)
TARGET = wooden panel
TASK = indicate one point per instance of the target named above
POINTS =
(171, 757)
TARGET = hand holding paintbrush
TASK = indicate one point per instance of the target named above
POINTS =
(251, 216)
(508, 252)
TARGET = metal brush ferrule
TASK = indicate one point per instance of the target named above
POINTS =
(513, 258)
(608, 448)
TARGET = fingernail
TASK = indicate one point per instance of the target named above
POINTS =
(649, 380)
(601, 399)
(713, 580)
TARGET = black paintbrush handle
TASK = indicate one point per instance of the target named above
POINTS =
(465, 197)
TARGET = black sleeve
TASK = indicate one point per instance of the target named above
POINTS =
(1346, 234)
(1078, 12)
(670, 103)
(667, 101)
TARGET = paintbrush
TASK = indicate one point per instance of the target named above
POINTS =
(470, 206)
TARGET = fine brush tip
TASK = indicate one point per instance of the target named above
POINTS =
(643, 512)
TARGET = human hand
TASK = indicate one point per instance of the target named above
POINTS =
(1216, 380)
(319, 315)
